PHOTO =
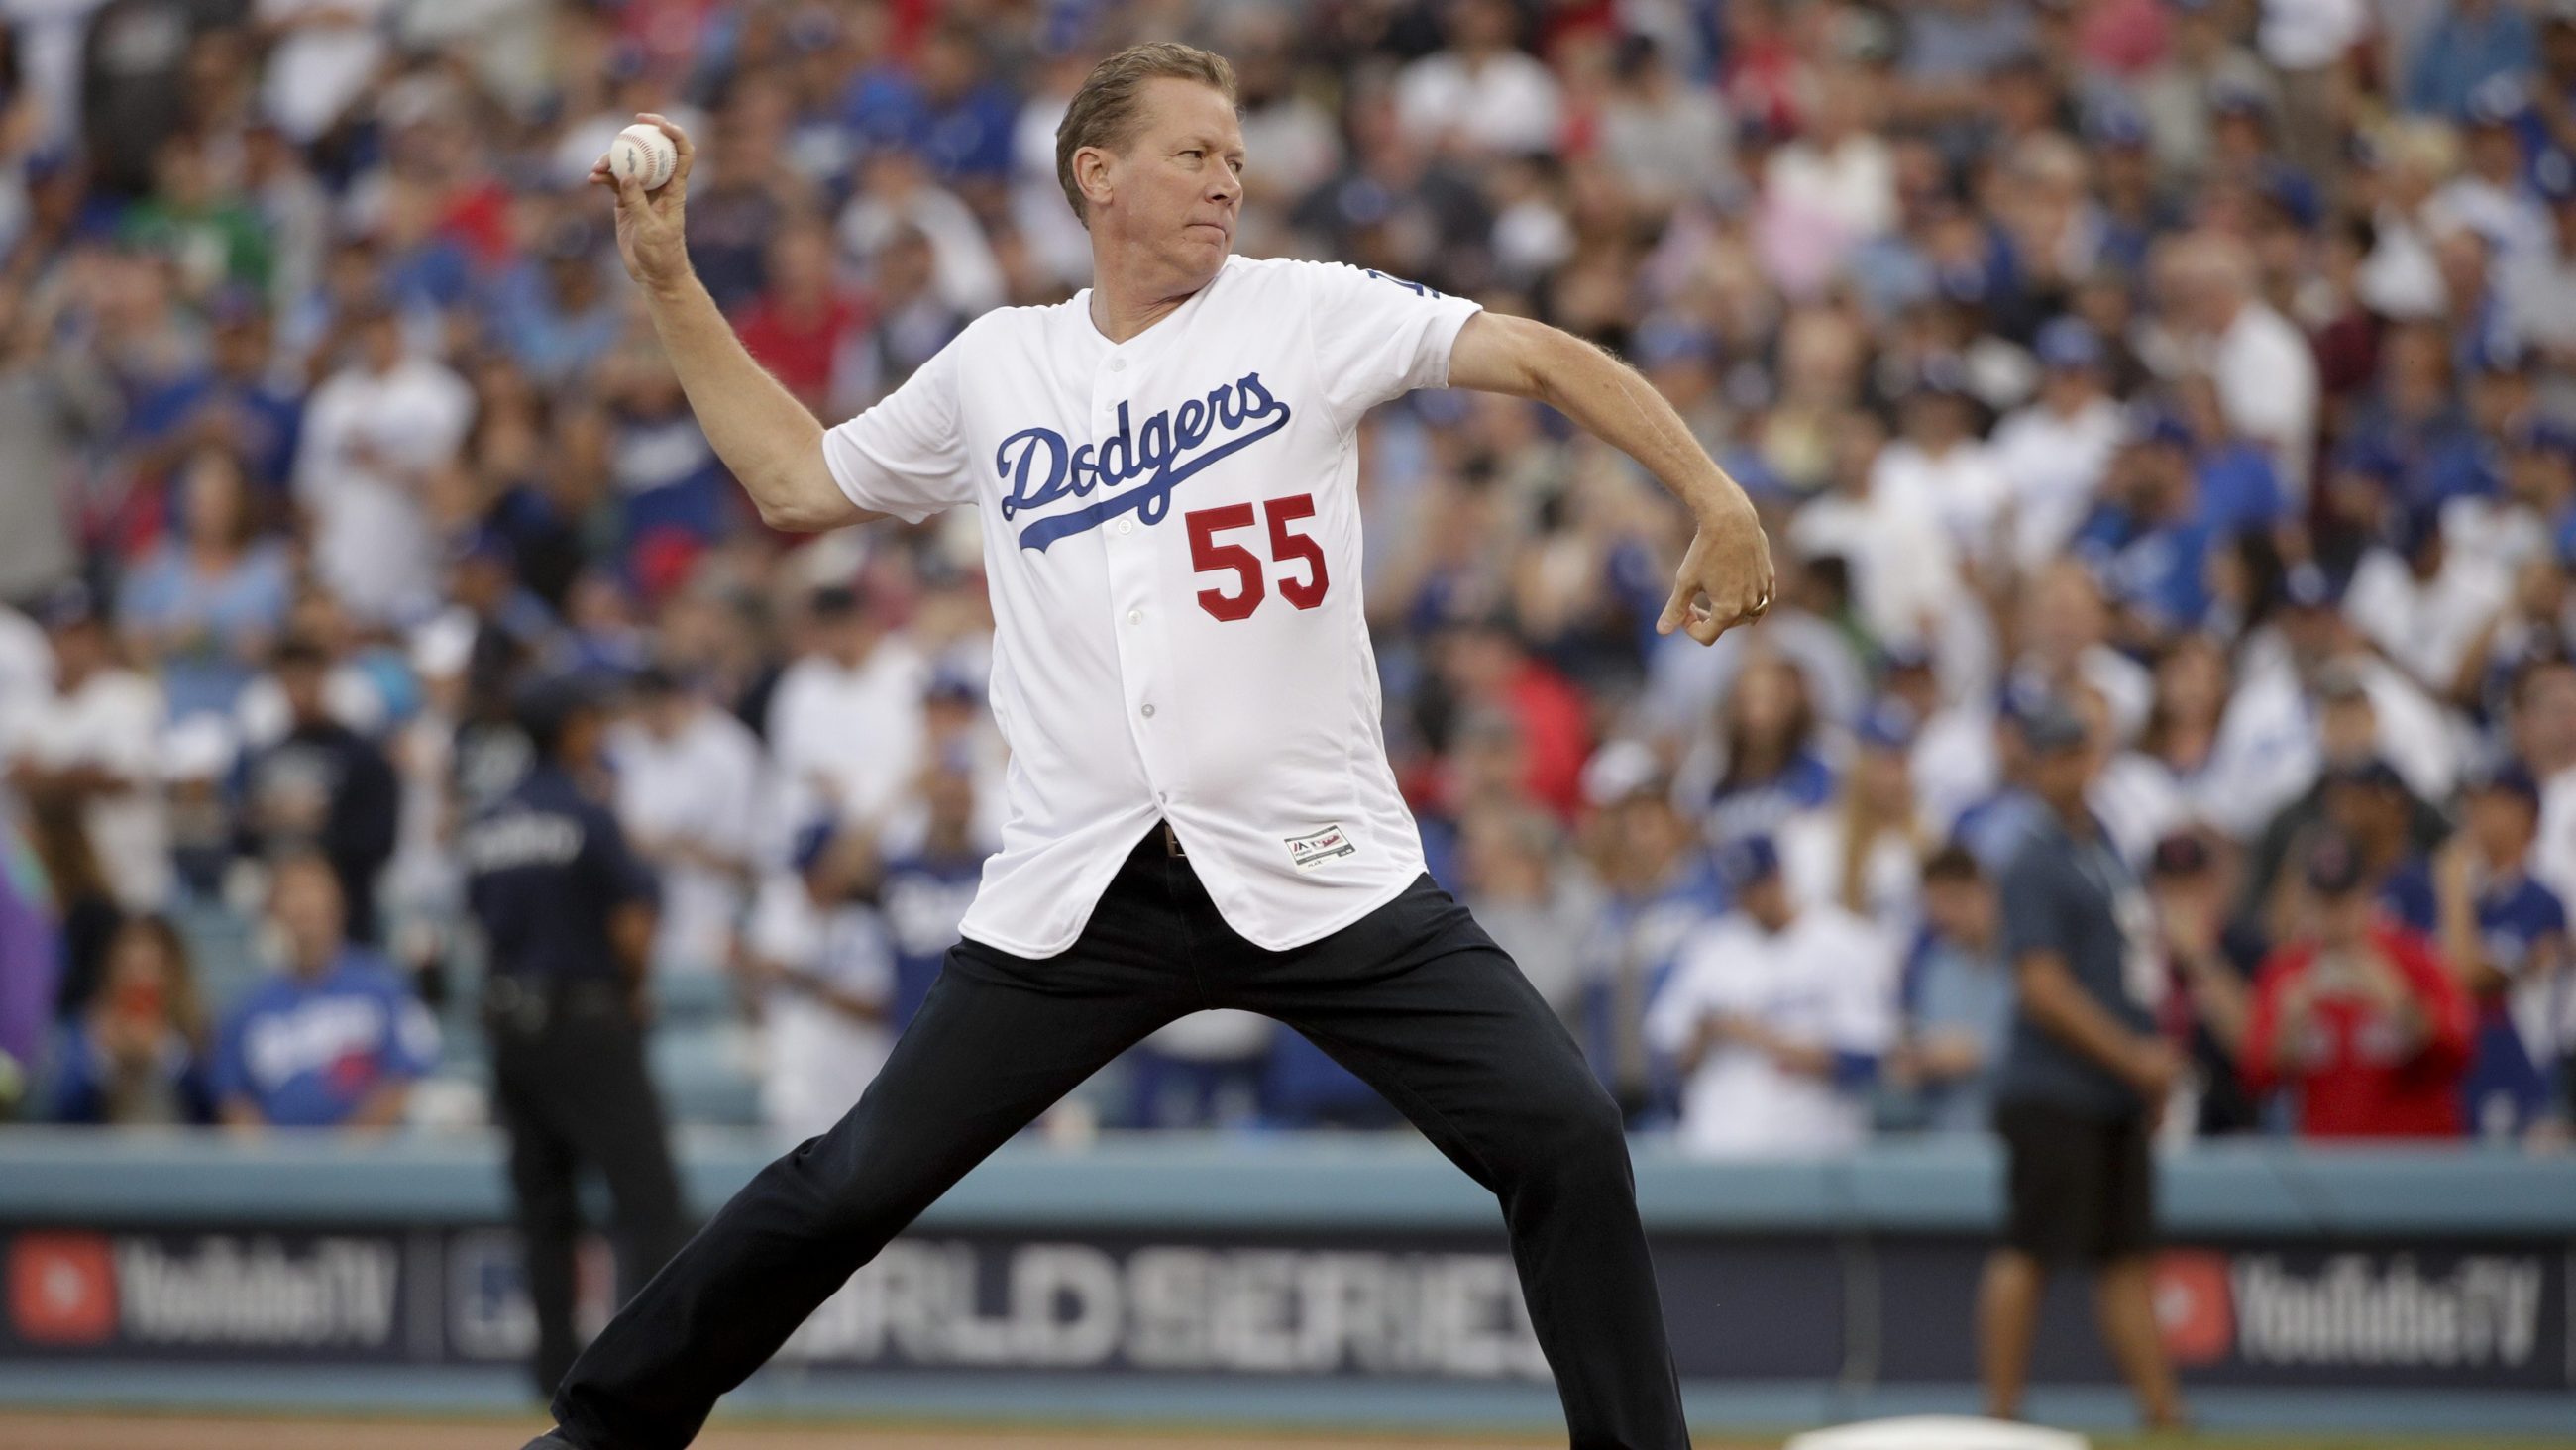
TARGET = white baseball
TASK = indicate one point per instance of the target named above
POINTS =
(644, 153)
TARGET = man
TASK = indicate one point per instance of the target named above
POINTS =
(373, 433)
(94, 743)
(1658, 884)
(820, 953)
(2358, 1014)
(1959, 999)
(335, 1040)
(1201, 813)
(2085, 1077)
(324, 788)
(567, 913)
(845, 721)
(2504, 936)
(1775, 1019)
(688, 793)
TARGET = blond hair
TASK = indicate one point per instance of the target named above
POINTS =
(1103, 112)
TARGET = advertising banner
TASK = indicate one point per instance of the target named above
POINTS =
(1367, 1304)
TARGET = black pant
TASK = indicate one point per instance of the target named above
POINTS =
(570, 1087)
(1414, 997)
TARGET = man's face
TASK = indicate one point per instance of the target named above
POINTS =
(1960, 910)
(1176, 188)
(2503, 824)
(306, 904)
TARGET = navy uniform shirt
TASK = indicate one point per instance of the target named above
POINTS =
(545, 866)
(2081, 901)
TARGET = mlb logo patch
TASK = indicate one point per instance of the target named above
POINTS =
(1309, 852)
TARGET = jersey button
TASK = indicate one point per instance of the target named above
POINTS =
(1126, 526)
(1149, 712)
(1118, 364)
(1135, 616)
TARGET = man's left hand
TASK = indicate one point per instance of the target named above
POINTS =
(1725, 578)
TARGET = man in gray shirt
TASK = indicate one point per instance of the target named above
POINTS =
(2085, 1076)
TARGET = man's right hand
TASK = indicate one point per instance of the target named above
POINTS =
(651, 228)
(2154, 1069)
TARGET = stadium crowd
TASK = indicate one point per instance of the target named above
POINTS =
(2203, 371)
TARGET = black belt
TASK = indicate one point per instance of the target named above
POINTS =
(527, 1004)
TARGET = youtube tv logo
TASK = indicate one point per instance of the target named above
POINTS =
(62, 1289)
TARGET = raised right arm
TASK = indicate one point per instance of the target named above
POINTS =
(767, 439)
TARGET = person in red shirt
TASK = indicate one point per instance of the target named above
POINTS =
(2360, 1016)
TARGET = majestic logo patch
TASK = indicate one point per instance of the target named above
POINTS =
(1308, 852)
(1154, 457)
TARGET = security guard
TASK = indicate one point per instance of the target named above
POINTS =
(568, 913)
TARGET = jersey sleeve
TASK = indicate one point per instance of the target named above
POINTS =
(1377, 337)
(907, 455)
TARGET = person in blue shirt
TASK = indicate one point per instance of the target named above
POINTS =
(2505, 934)
(924, 890)
(1659, 884)
(336, 1039)
(1958, 999)
(568, 912)
(2473, 42)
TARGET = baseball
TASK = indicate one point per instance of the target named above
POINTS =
(641, 151)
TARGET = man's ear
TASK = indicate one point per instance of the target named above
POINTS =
(1091, 173)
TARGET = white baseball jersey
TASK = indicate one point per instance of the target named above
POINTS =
(1172, 544)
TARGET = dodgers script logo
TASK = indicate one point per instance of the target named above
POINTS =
(1154, 457)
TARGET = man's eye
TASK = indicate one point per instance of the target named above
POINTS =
(1193, 154)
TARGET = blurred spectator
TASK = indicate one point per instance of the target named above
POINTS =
(2473, 42)
(1657, 884)
(2209, 965)
(323, 789)
(54, 403)
(1864, 850)
(567, 914)
(204, 607)
(688, 789)
(1514, 878)
(1775, 1017)
(845, 720)
(2085, 1077)
(925, 887)
(1773, 765)
(2358, 1015)
(1479, 94)
(1959, 1000)
(373, 433)
(137, 1056)
(821, 957)
(2505, 937)
(95, 744)
(333, 1039)
(80, 912)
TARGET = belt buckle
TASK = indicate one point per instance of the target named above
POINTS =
(1172, 841)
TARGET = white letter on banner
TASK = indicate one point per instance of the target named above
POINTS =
(1044, 1274)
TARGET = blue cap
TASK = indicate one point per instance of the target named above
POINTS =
(2373, 460)
(1746, 860)
(2497, 101)
(954, 686)
(1664, 339)
(1887, 725)
(811, 842)
(2553, 175)
(2068, 342)
(2415, 527)
(2231, 97)
(2507, 777)
(2117, 123)
(2538, 435)
(2050, 726)
(2149, 424)
(1941, 376)
(2310, 587)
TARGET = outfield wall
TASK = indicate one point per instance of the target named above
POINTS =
(1311, 1280)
